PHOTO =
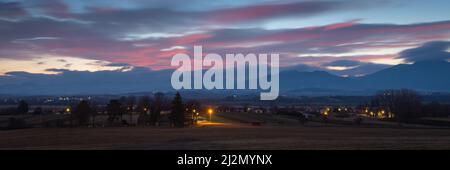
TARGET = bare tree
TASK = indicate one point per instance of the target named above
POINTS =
(22, 108)
(177, 115)
(130, 107)
(114, 109)
(403, 105)
(82, 112)
(143, 108)
(157, 108)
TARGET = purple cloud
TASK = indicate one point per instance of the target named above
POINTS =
(436, 50)
(11, 10)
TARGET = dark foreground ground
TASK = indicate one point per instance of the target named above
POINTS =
(226, 137)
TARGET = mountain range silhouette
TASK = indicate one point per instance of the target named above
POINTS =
(424, 76)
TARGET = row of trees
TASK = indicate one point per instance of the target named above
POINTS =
(144, 111)
(22, 109)
(406, 105)
(149, 111)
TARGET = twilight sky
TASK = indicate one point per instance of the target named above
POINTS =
(41, 36)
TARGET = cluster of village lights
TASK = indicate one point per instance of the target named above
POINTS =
(210, 111)
(381, 114)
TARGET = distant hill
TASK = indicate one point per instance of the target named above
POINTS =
(423, 75)
(426, 76)
(293, 80)
(357, 69)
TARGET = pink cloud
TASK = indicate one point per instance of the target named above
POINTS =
(190, 39)
(340, 25)
(249, 13)
(259, 12)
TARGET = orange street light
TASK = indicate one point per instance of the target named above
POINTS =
(210, 112)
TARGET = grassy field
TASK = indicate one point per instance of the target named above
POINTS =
(226, 137)
(229, 133)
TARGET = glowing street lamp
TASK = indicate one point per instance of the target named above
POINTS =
(326, 112)
(210, 112)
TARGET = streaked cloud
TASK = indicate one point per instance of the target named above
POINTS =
(437, 50)
(41, 64)
(11, 11)
(173, 48)
(148, 34)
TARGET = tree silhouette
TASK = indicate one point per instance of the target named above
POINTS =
(192, 107)
(404, 105)
(22, 108)
(82, 112)
(177, 115)
(143, 108)
(123, 101)
(130, 107)
(156, 109)
(114, 109)
(94, 113)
